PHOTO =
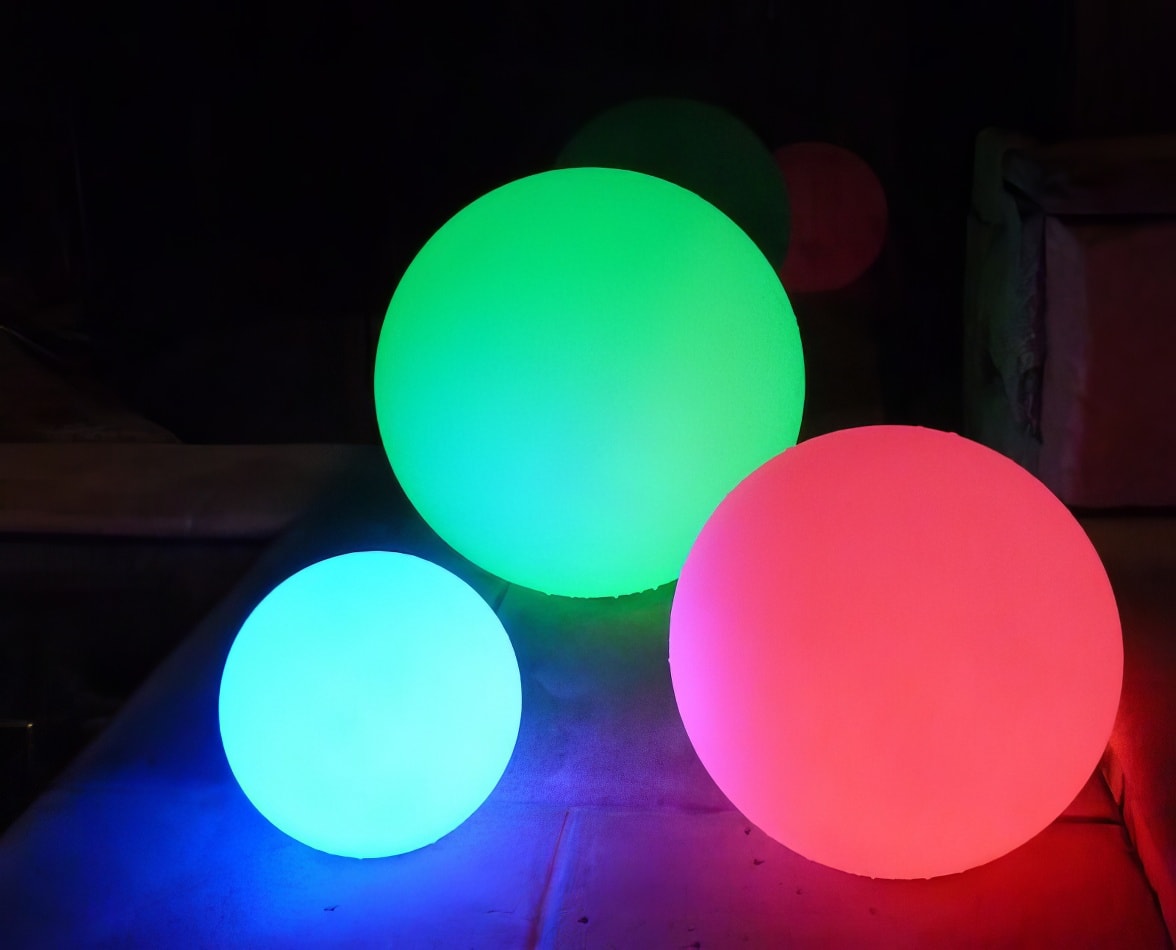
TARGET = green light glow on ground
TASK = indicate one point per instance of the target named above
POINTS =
(576, 369)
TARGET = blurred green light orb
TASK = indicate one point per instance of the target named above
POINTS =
(369, 704)
(699, 146)
(575, 370)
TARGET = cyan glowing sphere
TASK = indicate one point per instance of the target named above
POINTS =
(896, 652)
(370, 704)
(575, 370)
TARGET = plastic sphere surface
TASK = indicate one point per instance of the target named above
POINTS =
(839, 216)
(370, 704)
(576, 369)
(896, 652)
(699, 146)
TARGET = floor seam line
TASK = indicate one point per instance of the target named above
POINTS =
(539, 930)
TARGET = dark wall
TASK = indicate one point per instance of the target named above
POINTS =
(1124, 67)
(224, 163)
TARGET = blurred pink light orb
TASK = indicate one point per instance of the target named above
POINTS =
(838, 216)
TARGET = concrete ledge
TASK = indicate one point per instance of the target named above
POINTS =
(149, 490)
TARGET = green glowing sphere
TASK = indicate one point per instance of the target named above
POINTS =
(576, 369)
(370, 704)
(702, 148)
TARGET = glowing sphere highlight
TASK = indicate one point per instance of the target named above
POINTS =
(370, 704)
(576, 369)
(838, 216)
(896, 652)
(699, 146)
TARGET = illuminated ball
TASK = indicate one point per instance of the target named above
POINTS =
(370, 704)
(576, 369)
(838, 216)
(896, 652)
(699, 146)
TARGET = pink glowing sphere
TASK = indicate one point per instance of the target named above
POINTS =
(896, 652)
(838, 216)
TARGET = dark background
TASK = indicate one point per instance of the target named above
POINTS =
(213, 187)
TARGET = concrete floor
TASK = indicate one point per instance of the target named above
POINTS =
(605, 830)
